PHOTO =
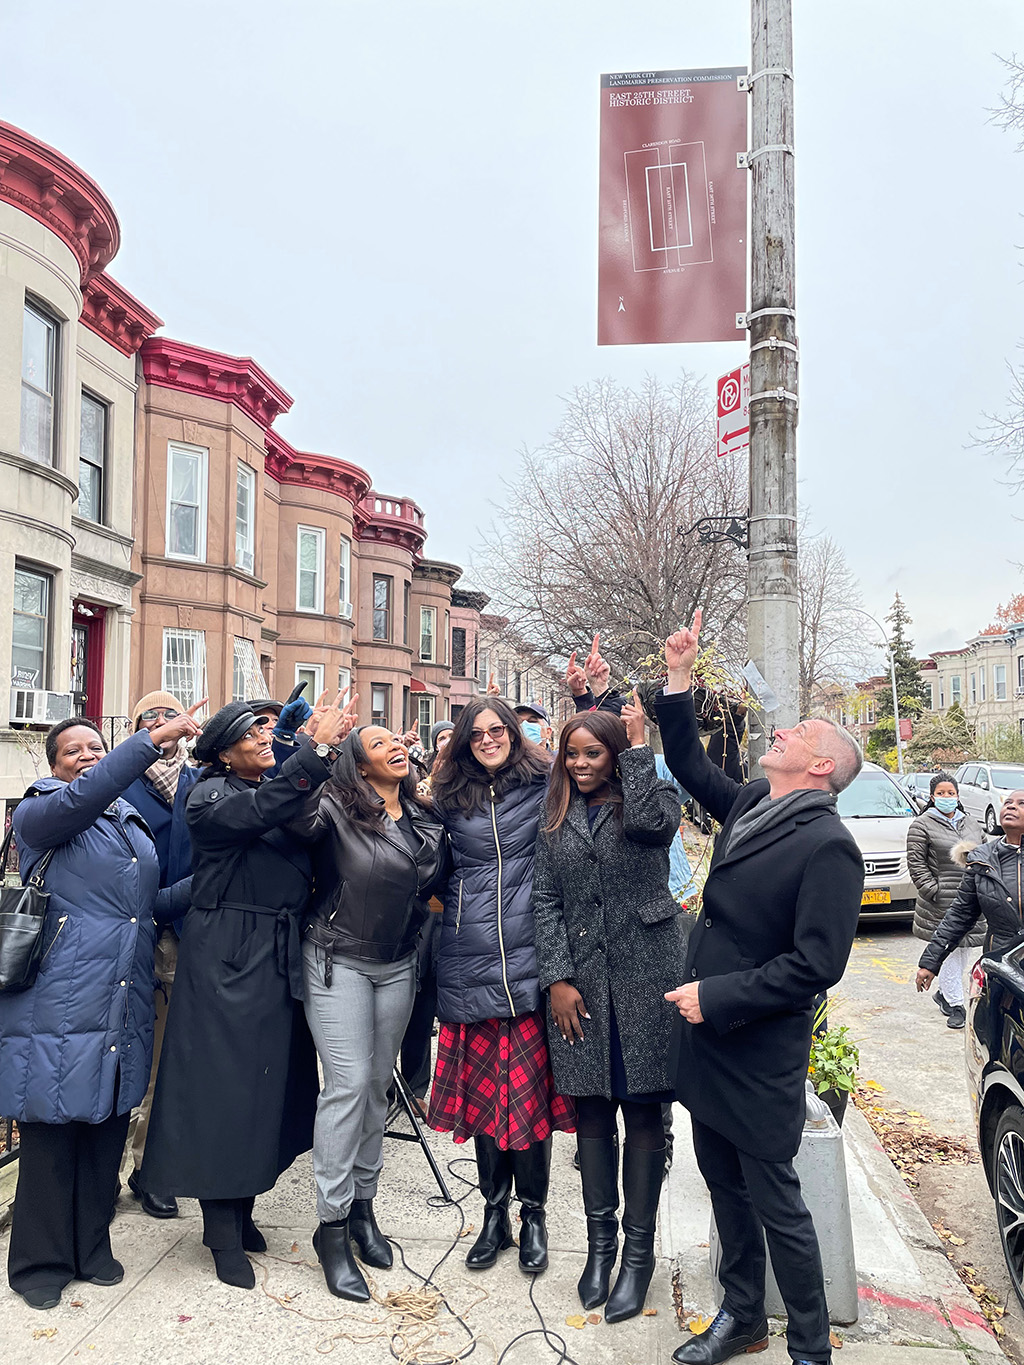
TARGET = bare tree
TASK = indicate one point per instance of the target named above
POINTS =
(833, 646)
(588, 535)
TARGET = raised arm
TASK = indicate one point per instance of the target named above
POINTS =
(219, 817)
(650, 807)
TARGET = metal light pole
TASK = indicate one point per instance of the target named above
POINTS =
(772, 590)
(892, 675)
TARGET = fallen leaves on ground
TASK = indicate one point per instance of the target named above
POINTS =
(593, 1318)
(906, 1138)
(698, 1324)
(44, 1334)
(835, 1341)
(576, 1320)
(991, 1306)
(650, 1313)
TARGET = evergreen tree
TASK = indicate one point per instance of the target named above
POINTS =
(912, 692)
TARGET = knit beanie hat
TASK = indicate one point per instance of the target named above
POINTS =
(439, 729)
(152, 699)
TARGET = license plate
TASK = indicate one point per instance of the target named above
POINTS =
(876, 898)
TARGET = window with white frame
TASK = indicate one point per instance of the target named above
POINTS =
(247, 682)
(313, 676)
(186, 501)
(380, 703)
(345, 680)
(1020, 670)
(503, 677)
(869, 712)
(955, 691)
(428, 625)
(981, 679)
(424, 719)
(447, 637)
(309, 570)
(999, 681)
(483, 672)
(184, 664)
(40, 349)
(30, 648)
(92, 457)
(382, 584)
(974, 689)
(459, 651)
(245, 517)
(345, 578)
(932, 696)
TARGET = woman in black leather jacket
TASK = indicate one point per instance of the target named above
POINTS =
(380, 852)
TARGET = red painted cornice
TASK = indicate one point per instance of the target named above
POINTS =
(112, 313)
(231, 379)
(405, 529)
(42, 182)
(285, 464)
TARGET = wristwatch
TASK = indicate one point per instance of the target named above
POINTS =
(325, 751)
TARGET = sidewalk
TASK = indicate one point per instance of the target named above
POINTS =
(170, 1306)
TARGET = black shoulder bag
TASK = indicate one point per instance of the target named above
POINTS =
(22, 914)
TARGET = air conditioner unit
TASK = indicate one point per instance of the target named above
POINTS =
(346, 611)
(29, 706)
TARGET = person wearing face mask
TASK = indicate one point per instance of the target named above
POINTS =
(940, 835)
(990, 893)
(77, 1044)
(533, 721)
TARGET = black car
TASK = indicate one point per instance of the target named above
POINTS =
(995, 1074)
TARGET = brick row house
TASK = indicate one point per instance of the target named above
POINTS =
(157, 531)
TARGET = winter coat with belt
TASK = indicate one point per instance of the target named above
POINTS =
(931, 840)
(237, 1085)
(370, 888)
(89, 1014)
(487, 960)
(607, 923)
(983, 896)
(776, 926)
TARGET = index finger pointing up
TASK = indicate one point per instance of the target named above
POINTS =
(595, 647)
(697, 618)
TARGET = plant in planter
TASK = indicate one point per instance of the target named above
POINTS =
(833, 1062)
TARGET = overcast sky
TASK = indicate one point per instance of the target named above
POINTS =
(392, 206)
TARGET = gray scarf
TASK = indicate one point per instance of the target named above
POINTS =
(767, 814)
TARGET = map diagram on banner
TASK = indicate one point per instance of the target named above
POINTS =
(668, 206)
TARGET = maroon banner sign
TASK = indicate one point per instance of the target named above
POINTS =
(672, 254)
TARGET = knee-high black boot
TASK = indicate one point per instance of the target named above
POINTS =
(642, 1173)
(599, 1167)
(494, 1169)
(532, 1169)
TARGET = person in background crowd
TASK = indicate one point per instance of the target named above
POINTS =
(159, 796)
(492, 1080)
(535, 723)
(237, 1085)
(440, 734)
(78, 1043)
(990, 890)
(780, 909)
(379, 852)
(589, 685)
(940, 835)
(610, 943)
(289, 718)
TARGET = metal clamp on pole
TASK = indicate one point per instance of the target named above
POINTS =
(744, 320)
(778, 395)
(744, 160)
(776, 344)
(746, 83)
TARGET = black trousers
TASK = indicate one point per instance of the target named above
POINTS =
(67, 1184)
(415, 1053)
(748, 1195)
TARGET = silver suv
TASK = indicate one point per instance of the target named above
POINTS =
(877, 812)
(985, 786)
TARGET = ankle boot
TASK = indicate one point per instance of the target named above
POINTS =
(642, 1173)
(334, 1252)
(234, 1267)
(532, 1168)
(371, 1244)
(494, 1169)
(599, 1167)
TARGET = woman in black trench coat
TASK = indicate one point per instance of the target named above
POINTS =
(237, 1086)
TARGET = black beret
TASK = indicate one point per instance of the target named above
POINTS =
(222, 730)
(265, 704)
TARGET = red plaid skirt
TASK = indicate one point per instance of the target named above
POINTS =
(493, 1079)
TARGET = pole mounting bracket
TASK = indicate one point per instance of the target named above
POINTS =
(779, 395)
(746, 83)
(776, 344)
(743, 320)
(715, 531)
(744, 160)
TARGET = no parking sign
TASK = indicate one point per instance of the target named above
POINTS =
(734, 411)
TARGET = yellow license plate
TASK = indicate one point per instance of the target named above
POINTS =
(876, 898)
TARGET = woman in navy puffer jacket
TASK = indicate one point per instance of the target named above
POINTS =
(493, 1080)
(75, 1048)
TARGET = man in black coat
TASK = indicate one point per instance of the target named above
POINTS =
(779, 914)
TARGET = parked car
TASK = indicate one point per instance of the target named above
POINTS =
(995, 1078)
(918, 786)
(984, 787)
(878, 812)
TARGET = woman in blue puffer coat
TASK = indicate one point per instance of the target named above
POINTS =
(75, 1048)
(492, 1081)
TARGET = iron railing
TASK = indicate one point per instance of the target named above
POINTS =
(112, 728)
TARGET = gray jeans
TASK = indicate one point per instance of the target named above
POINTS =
(357, 1024)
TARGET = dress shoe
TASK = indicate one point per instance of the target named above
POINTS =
(41, 1298)
(334, 1252)
(372, 1247)
(112, 1274)
(234, 1267)
(726, 1337)
(942, 1003)
(957, 1017)
(156, 1205)
(494, 1172)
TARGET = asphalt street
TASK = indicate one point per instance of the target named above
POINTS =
(907, 1049)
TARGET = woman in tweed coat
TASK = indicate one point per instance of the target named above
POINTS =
(609, 944)
(932, 839)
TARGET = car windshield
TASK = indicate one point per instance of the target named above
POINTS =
(1008, 778)
(873, 795)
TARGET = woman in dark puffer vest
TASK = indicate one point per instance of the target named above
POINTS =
(937, 869)
(493, 1079)
(379, 854)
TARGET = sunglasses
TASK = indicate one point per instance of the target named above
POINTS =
(495, 732)
(159, 713)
